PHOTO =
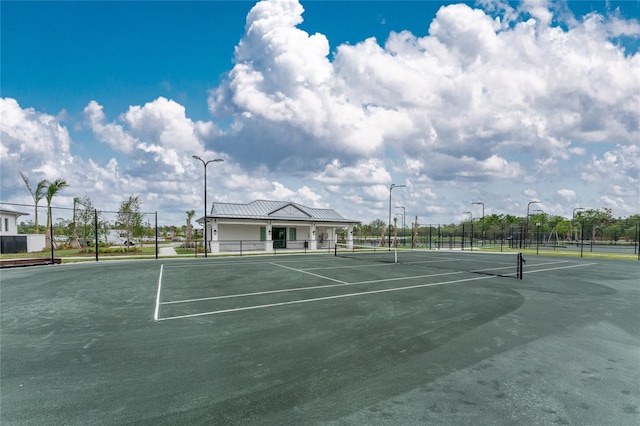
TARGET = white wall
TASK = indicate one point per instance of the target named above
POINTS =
(36, 242)
(238, 232)
(11, 221)
(252, 232)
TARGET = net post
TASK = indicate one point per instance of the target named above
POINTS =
(335, 249)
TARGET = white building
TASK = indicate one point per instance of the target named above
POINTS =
(265, 225)
(11, 241)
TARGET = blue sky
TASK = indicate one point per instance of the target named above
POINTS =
(326, 104)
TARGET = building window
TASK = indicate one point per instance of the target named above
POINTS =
(292, 234)
(6, 224)
(263, 233)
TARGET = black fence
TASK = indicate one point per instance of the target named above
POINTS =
(48, 234)
(471, 236)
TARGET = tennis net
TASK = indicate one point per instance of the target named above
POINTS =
(480, 262)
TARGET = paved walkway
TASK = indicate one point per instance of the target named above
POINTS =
(167, 251)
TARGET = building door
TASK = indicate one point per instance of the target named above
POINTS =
(280, 237)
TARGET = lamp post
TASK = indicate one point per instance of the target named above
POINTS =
(393, 185)
(540, 227)
(526, 228)
(482, 204)
(403, 218)
(573, 219)
(204, 164)
(471, 224)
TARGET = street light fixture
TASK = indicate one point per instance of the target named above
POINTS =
(404, 211)
(481, 204)
(204, 164)
(393, 185)
(526, 228)
(573, 219)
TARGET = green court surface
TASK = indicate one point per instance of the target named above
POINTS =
(318, 339)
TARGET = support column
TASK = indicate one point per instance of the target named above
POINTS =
(214, 244)
(268, 244)
(350, 236)
(312, 236)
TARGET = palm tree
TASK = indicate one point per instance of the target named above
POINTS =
(52, 189)
(37, 195)
(187, 236)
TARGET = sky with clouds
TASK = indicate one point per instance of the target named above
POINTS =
(326, 104)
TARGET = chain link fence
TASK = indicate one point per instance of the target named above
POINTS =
(50, 234)
(543, 238)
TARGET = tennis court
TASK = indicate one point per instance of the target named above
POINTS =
(320, 339)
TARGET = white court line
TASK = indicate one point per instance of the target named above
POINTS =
(294, 302)
(309, 273)
(359, 266)
(317, 299)
(555, 262)
(285, 290)
(560, 267)
(250, 261)
(157, 311)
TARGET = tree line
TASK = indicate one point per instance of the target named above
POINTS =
(590, 224)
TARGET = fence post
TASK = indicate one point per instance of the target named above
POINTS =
(581, 238)
(636, 245)
(462, 242)
(50, 233)
(95, 224)
(156, 216)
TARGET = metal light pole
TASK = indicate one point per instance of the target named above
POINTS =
(393, 185)
(482, 204)
(403, 218)
(573, 219)
(538, 224)
(204, 164)
(526, 228)
(471, 224)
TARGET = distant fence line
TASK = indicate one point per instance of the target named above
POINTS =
(94, 234)
(468, 236)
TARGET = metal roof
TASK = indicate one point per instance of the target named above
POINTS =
(13, 212)
(276, 210)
